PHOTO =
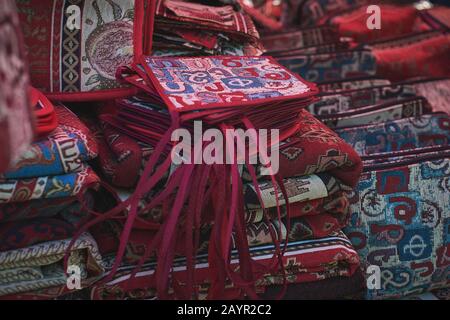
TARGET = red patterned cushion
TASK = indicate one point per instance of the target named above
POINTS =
(75, 47)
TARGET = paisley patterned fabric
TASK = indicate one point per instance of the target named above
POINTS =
(399, 222)
(75, 47)
(15, 106)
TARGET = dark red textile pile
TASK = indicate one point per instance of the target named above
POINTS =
(223, 149)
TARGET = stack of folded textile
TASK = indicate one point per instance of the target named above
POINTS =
(360, 185)
(321, 55)
(399, 212)
(44, 198)
(316, 168)
(341, 46)
(318, 210)
(192, 29)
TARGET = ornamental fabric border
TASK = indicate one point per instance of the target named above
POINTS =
(75, 46)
